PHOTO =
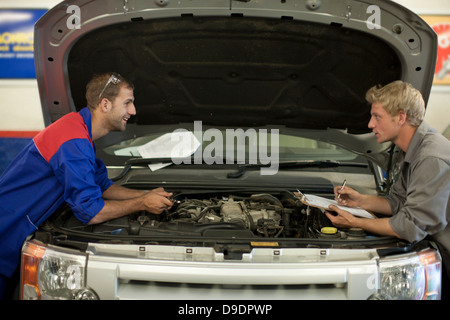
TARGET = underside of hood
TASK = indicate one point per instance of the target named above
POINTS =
(240, 71)
(235, 63)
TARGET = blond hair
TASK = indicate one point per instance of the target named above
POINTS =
(399, 96)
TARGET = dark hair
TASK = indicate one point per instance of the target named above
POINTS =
(104, 85)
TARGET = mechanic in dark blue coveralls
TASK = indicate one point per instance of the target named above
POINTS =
(59, 166)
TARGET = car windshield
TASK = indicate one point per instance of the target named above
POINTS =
(221, 146)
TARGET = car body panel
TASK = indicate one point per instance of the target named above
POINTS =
(334, 274)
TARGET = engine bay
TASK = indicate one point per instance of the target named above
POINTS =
(230, 215)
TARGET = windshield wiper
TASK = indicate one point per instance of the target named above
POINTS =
(242, 168)
(138, 162)
(297, 164)
(146, 161)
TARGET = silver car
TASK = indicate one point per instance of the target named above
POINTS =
(241, 107)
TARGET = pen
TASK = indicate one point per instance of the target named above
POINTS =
(342, 187)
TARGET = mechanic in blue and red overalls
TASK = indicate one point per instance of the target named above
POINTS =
(59, 166)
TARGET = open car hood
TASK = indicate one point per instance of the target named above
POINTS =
(300, 66)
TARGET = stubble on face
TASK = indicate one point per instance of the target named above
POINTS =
(122, 109)
(383, 125)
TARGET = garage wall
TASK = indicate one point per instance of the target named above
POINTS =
(19, 99)
(20, 110)
(19, 102)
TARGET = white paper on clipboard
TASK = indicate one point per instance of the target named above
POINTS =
(324, 203)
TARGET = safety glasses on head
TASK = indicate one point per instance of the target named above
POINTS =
(113, 79)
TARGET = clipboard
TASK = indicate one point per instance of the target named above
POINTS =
(324, 203)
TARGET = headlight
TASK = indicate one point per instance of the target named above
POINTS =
(416, 277)
(49, 273)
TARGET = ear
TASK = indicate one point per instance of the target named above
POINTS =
(401, 117)
(104, 105)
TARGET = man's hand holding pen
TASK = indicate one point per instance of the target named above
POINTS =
(347, 196)
(344, 196)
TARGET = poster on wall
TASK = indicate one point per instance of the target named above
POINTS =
(441, 25)
(16, 42)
